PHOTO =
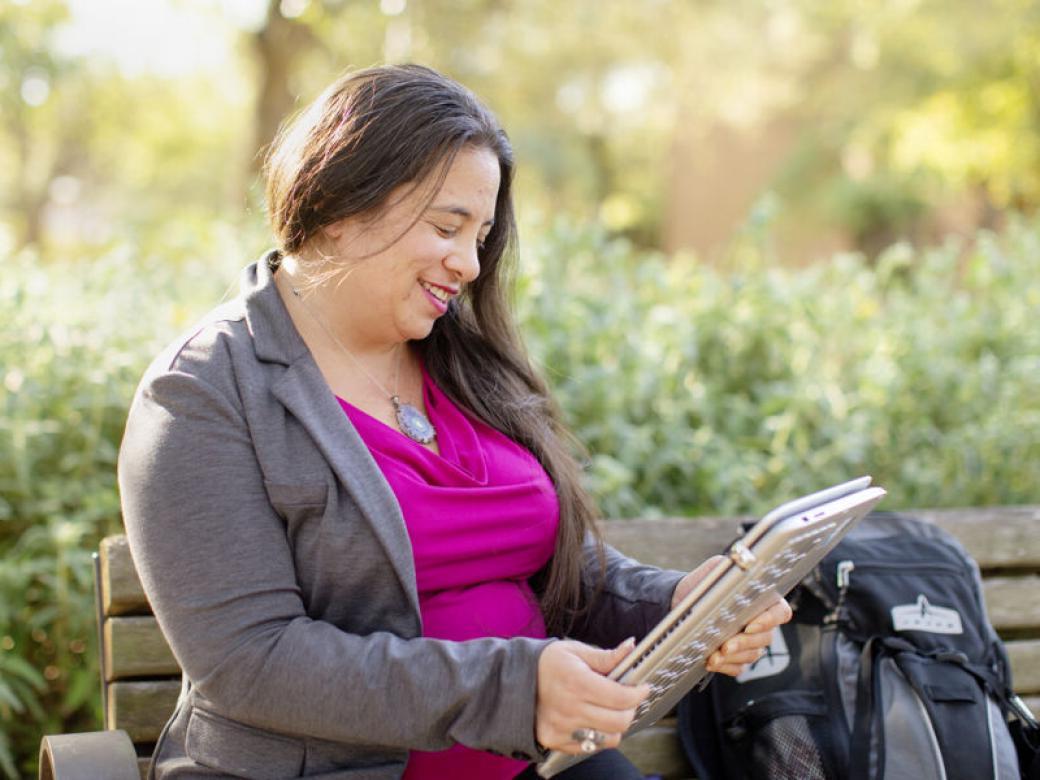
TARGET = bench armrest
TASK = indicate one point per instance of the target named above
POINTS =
(88, 756)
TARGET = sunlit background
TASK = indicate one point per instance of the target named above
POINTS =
(840, 125)
(766, 245)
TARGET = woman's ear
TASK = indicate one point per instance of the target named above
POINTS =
(335, 230)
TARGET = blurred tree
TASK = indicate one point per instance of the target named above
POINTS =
(37, 137)
(585, 99)
(279, 45)
(821, 104)
(91, 149)
(665, 120)
(927, 120)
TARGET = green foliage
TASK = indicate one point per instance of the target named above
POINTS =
(878, 205)
(695, 391)
(74, 340)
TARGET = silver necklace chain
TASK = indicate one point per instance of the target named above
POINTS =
(349, 354)
(410, 419)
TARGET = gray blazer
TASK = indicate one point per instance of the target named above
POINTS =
(277, 562)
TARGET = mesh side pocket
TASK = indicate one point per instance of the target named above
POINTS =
(784, 749)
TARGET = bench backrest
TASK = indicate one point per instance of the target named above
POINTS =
(141, 678)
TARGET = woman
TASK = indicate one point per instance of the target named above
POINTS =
(349, 497)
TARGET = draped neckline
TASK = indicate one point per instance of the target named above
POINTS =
(461, 459)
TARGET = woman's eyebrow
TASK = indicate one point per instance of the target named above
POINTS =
(459, 211)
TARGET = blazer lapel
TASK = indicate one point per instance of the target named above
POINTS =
(303, 391)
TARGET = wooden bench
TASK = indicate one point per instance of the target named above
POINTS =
(141, 679)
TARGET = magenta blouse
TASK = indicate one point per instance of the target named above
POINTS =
(482, 517)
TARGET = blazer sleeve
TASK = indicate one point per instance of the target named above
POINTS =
(625, 598)
(215, 561)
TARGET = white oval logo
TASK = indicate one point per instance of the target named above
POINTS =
(923, 616)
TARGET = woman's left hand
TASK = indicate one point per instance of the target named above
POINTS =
(747, 646)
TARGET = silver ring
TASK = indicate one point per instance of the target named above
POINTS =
(588, 739)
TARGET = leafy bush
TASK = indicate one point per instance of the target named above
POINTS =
(695, 390)
(74, 340)
(701, 391)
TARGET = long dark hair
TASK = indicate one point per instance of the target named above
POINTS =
(377, 129)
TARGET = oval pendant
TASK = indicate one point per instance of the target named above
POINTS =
(414, 423)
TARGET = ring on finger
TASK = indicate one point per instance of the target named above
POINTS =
(588, 739)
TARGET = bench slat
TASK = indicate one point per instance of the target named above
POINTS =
(121, 591)
(142, 708)
(996, 537)
(1001, 538)
(141, 650)
(135, 647)
(1025, 665)
(1013, 603)
(671, 543)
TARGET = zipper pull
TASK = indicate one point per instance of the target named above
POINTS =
(844, 571)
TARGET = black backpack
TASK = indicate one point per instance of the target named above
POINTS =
(890, 670)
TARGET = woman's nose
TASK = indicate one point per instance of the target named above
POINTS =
(465, 263)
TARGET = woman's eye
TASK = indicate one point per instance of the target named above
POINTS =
(446, 232)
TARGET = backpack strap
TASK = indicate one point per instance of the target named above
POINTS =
(993, 680)
(867, 722)
(956, 707)
(867, 745)
(836, 738)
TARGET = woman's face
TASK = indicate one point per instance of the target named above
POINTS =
(393, 290)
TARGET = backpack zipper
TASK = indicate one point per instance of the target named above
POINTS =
(845, 567)
(844, 572)
(937, 566)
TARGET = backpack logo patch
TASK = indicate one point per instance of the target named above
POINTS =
(924, 616)
(775, 660)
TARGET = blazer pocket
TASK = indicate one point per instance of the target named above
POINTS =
(240, 750)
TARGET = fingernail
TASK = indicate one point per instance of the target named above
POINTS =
(731, 646)
(753, 627)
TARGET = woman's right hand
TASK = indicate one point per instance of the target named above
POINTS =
(575, 693)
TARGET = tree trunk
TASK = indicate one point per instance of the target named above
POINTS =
(278, 45)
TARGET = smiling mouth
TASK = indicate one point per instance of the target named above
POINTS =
(437, 292)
